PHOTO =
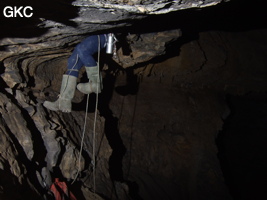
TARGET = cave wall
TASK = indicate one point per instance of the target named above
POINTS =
(158, 117)
(156, 127)
(169, 135)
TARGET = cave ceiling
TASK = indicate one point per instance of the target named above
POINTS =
(88, 16)
(56, 27)
(62, 22)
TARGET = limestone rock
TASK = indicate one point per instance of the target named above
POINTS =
(151, 133)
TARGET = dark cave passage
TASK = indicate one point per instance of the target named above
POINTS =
(242, 147)
(111, 131)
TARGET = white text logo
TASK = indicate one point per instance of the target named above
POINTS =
(15, 11)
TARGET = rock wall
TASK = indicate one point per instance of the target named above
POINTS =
(169, 134)
(46, 144)
(156, 124)
(158, 116)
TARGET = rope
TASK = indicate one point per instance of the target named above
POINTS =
(94, 128)
(96, 105)
(83, 134)
(72, 69)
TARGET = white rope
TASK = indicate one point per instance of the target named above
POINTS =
(96, 105)
(70, 70)
(83, 134)
(94, 128)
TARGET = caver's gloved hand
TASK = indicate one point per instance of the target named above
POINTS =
(95, 83)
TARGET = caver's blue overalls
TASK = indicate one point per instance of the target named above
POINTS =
(81, 56)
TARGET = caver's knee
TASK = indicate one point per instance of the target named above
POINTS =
(87, 45)
(81, 47)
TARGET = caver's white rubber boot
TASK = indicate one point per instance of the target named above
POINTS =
(95, 84)
(63, 103)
